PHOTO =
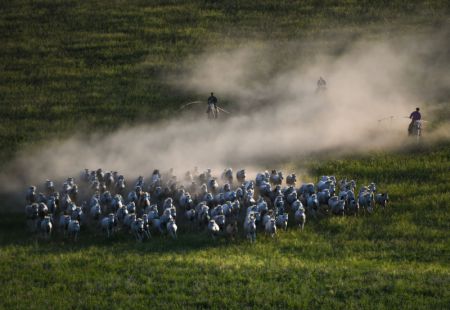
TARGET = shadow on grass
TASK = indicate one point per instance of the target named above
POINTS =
(13, 232)
(365, 237)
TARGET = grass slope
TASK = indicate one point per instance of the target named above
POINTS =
(70, 65)
(393, 259)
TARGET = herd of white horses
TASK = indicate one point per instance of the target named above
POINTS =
(220, 206)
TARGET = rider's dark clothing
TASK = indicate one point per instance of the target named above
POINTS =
(212, 100)
(415, 116)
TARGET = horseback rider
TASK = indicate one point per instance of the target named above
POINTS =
(321, 84)
(415, 116)
(212, 105)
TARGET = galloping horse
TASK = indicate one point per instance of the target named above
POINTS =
(212, 112)
(416, 129)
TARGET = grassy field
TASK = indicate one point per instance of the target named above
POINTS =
(393, 259)
(75, 66)
(71, 65)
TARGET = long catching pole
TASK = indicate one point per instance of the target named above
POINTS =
(194, 102)
(188, 104)
(223, 110)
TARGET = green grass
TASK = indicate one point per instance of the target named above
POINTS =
(393, 259)
(105, 61)
(78, 65)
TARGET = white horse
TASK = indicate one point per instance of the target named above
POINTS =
(172, 228)
(64, 203)
(323, 196)
(250, 228)
(382, 199)
(121, 213)
(261, 206)
(120, 185)
(78, 215)
(31, 195)
(71, 207)
(291, 197)
(291, 179)
(137, 228)
(217, 211)
(116, 203)
(202, 211)
(227, 175)
(49, 187)
(300, 217)
(152, 212)
(46, 227)
(213, 229)
(365, 201)
(312, 204)
(279, 204)
(128, 220)
(282, 221)
(352, 207)
(186, 201)
(307, 189)
(271, 227)
(415, 129)
(230, 208)
(42, 210)
(166, 217)
(108, 224)
(241, 175)
(73, 229)
(95, 212)
(52, 205)
(230, 195)
(276, 177)
(213, 186)
(63, 223)
(220, 220)
(262, 177)
(212, 111)
(337, 205)
(190, 214)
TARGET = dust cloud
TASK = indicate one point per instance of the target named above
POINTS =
(276, 113)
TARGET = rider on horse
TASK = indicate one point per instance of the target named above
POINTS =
(212, 105)
(415, 116)
(321, 84)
